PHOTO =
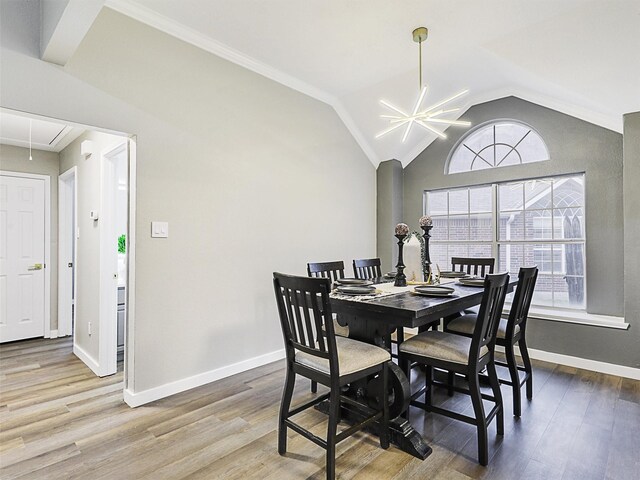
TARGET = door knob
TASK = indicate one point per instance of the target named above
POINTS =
(36, 266)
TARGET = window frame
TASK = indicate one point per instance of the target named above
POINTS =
(484, 125)
(496, 242)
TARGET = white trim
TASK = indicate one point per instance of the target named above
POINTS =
(573, 316)
(130, 292)
(206, 43)
(64, 318)
(584, 363)
(108, 339)
(47, 242)
(53, 334)
(87, 359)
(135, 399)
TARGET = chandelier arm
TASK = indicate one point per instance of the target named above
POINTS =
(391, 129)
(459, 123)
(431, 129)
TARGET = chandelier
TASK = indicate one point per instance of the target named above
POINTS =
(426, 118)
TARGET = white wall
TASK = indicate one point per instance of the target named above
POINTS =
(251, 176)
(16, 159)
(88, 244)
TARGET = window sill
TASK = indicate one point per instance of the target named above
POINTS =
(575, 316)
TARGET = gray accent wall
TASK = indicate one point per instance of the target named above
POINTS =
(389, 208)
(16, 159)
(574, 146)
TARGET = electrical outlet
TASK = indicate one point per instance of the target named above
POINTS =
(89, 328)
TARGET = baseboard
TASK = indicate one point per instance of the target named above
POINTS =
(583, 363)
(136, 399)
(87, 359)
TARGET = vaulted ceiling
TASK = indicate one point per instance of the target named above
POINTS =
(580, 57)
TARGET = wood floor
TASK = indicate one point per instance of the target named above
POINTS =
(59, 421)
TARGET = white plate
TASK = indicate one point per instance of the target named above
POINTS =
(353, 281)
(452, 274)
(356, 290)
(433, 294)
(467, 282)
(434, 289)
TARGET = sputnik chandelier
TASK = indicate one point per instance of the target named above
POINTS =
(422, 117)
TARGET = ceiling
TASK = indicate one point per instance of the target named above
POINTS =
(51, 136)
(576, 56)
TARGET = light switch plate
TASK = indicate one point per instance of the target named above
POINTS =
(159, 229)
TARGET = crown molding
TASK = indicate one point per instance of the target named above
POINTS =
(197, 39)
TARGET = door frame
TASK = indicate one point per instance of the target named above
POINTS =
(64, 317)
(48, 333)
(108, 343)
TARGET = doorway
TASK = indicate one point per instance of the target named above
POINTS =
(67, 232)
(113, 256)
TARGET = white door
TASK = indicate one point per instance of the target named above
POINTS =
(22, 250)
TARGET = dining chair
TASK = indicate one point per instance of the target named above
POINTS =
(367, 268)
(333, 271)
(511, 331)
(305, 310)
(466, 356)
(479, 266)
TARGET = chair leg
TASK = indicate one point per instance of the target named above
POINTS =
(481, 420)
(284, 410)
(497, 394)
(384, 396)
(451, 378)
(314, 386)
(428, 397)
(515, 378)
(522, 344)
(334, 414)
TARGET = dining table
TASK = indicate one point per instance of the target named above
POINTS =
(373, 318)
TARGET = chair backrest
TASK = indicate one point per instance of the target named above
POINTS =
(367, 268)
(522, 300)
(473, 266)
(330, 270)
(495, 291)
(305, 311)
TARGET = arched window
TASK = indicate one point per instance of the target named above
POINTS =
(497, 144)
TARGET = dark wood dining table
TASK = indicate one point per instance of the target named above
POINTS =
(374, 320)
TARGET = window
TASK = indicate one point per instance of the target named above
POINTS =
(528, 222)
(497, 144)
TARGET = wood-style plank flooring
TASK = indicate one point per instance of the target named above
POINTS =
(59, 421)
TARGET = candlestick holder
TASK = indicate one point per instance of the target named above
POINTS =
(401, 279)
(427, 257)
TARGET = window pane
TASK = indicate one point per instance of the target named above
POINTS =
(458, 227)
(440, 230)
(438, 254)
(568, 223)
(512, 226)
(511, 196)
(458, 201)
(437, 203)
(510, 258)
(480, 250)
(538, 225)
(568, 192)
(457, 250)
(481, 227)
(542, 256)
(480, 200)
(537, 194)
(543, 293)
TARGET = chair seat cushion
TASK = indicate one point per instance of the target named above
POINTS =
(353, 356)
(466, 324)
(441, 345)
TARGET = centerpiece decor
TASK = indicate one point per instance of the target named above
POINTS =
(426, 224)
(402, 230)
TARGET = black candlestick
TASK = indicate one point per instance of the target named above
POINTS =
(427, 258)
(401, 279)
